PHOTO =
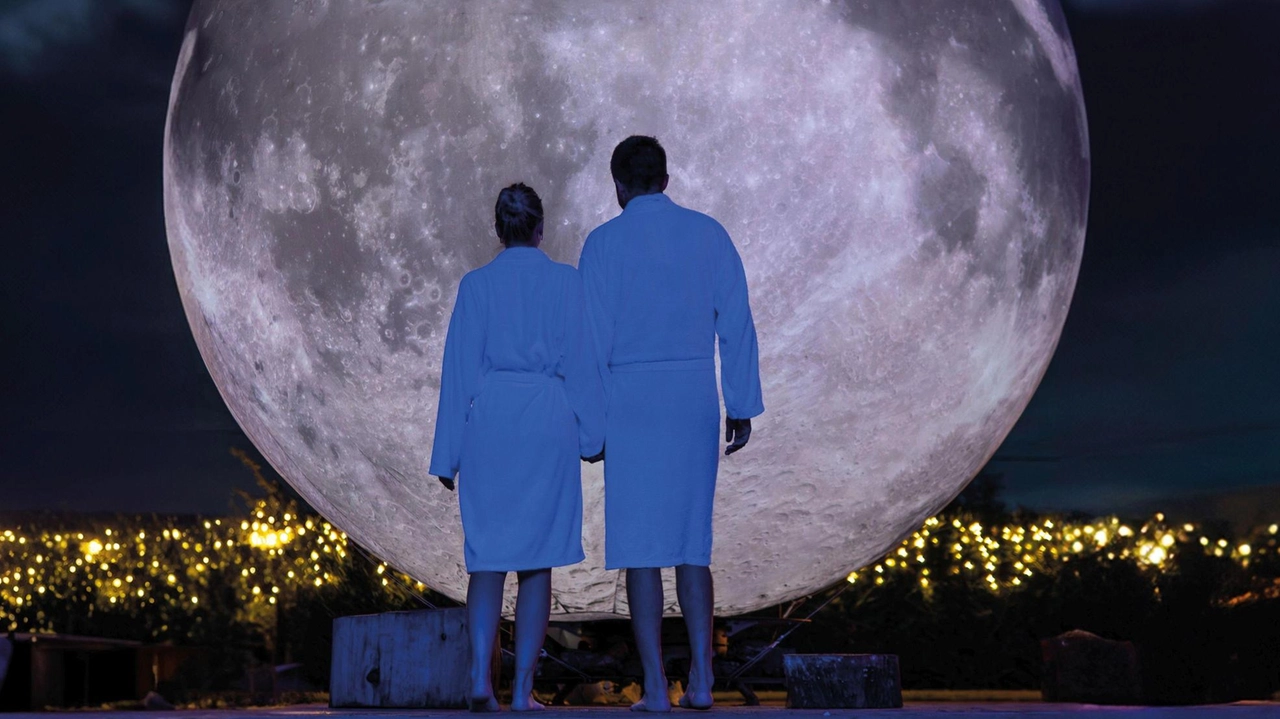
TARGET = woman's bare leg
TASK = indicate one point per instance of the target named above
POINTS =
(533, 608)
(484, 611)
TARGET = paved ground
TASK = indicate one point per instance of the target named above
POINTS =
(913, 710)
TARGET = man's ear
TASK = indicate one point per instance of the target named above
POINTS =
(665, 180)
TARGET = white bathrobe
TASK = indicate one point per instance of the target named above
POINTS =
(662, 283)
(520, 400)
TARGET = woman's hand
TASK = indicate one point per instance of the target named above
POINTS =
(448, 483)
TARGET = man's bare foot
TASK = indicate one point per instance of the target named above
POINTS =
(654, 698)
(698, 694)
(700, 699)
(660, 703)
(527, 704)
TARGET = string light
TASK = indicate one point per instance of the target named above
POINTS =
(171, 567)
(970, 549)
(166, 568)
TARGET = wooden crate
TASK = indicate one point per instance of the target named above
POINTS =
(842, 681)
(401, 660)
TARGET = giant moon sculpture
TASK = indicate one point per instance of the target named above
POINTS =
(907, 184)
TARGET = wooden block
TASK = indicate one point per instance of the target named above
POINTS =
(842, 681)
(401, 660)
(1083, 667)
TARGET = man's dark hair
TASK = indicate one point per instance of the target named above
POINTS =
(639, 163)
(517, 214)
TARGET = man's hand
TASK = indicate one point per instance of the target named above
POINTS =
(447, 482)
(736, 433)
(595, 457)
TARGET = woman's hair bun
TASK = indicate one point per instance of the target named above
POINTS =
(517, 214)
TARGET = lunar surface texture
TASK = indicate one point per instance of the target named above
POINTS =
(907, 183)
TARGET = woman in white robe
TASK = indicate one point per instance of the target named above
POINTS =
(520, 402)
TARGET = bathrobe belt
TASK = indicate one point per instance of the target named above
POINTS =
(506, 375)
(681, 365)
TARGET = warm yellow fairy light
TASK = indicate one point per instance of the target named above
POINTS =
(273, 552)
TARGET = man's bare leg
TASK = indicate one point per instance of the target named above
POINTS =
(697, 600)
(533, 608)
(484, 610)
(644, 594)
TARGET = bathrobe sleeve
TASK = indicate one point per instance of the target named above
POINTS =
(459, 379)
(600, 322)
(739, 356)
(581, 374)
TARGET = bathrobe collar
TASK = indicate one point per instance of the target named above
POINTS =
(521, 252)
(644, 203)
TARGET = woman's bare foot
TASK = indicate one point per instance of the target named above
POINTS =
(481, 698)
(522, 691)
(526, 704)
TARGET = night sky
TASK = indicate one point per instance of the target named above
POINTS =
(1166, 382)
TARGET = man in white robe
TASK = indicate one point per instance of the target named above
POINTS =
(662, 282)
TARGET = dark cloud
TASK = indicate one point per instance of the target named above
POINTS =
(104, 62)
(93, 324)
(1162, 383)
(1160, 386)
(34, 33)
